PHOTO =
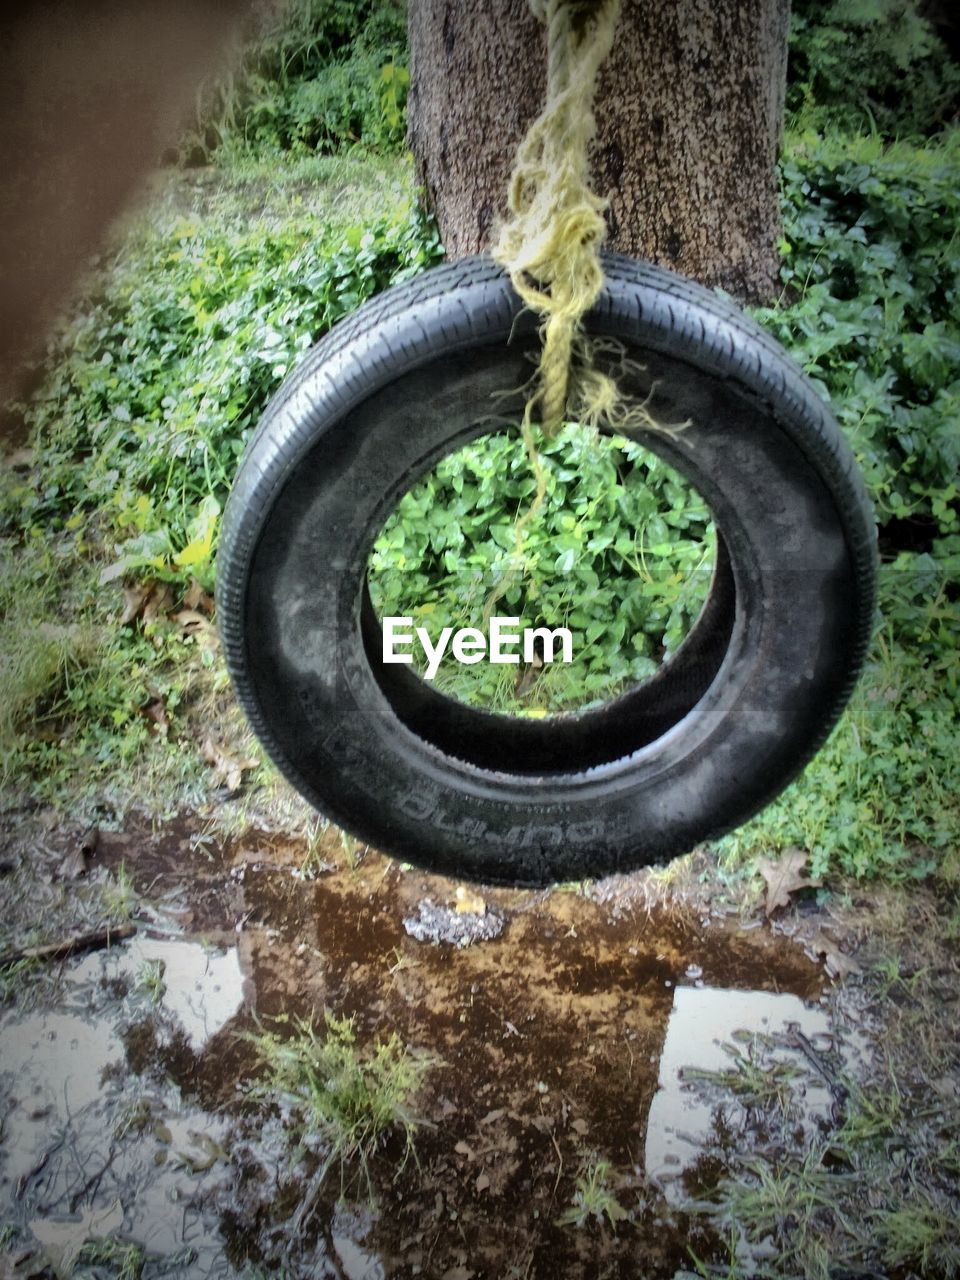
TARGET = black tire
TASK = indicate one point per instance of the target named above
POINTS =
(723, 727)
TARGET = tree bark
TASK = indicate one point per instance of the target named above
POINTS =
(689, 113)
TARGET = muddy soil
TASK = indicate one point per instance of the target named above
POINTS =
(127, 1084)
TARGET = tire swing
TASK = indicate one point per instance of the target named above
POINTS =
(410, 377)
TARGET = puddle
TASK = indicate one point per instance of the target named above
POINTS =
(81, 1132)
(200, 987)
(708, 1031)
(555, 1033)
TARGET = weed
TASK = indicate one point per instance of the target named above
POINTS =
(22, 981)
(150, 980)
(118, 897)
(922, 1232)
(125, 1260)
(871, 1188)
(753, 1078)
(621, 554)
(350, 1101)
(177, 350)
(353, 850)
(593, 1199)
(881, 797)
(314, 863)
(709, 1271)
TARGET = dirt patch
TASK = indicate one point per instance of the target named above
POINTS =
(548, 1040)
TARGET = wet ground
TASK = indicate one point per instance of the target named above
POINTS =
(567, 1031)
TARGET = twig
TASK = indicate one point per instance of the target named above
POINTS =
(70, 946)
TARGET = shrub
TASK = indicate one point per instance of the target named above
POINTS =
(870, 309)
(154, 386)
(869, 64)
(315, 75)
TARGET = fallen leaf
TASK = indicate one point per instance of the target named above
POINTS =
(458, 1273)
(482, 1182)
(580, 1126)
(196, 598)
(491, 1116)
(73, 865)
(462, 1149)
(190, 621)
(76, 863)
(158, 603)
(837, 963)
(147, 601)
(785, 876)
(63, 1240)
(134, 598)
(156, 713)
(227, 768)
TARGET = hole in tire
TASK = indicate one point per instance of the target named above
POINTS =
(620, 557)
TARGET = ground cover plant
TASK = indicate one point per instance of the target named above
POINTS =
(347, 1101)
(622, 556)
(152, 385)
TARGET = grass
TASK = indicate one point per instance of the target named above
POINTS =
(922, 1232)
(353, 850)
(873, 1187)
(87, 702)
(124, 1260)
(593, 1198)
(351, 1101)
(24, 981)
(881, 797)
(119, 898)
(753, 1077)
(275, 189)
(150, 980)
(314, 863)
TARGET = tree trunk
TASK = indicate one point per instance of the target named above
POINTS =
(689, 111)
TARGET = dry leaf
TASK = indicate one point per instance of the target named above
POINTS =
(190, 621)
(134, 598)
(785, 876)
(158, 603)
(147, 601)
(482, 1182)
(156, 713)
(837, 963)
(491, 1116)
(196, 598)
(458, 1273)
(76, 863)
(462, 1149)
(228, 769)
(580, 1126)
